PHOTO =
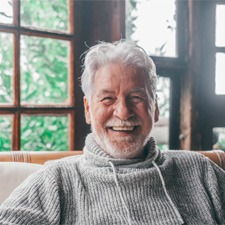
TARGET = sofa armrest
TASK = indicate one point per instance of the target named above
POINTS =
(12, 175)
(217, 156)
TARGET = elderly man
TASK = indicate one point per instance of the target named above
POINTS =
(122, 177)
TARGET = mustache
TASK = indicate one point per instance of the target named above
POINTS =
(123, 123)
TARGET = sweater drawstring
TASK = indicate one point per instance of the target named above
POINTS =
(163, 186)
(166, 192)
(120, 193)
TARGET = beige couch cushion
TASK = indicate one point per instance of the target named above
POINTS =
(12, 174)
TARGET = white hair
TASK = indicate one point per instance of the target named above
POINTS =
(126, 52)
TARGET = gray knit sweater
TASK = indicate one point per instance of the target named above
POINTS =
(165, 188)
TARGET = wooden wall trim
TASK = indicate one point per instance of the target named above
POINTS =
(190, 137)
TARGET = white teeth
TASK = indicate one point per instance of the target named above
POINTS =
(123, 128)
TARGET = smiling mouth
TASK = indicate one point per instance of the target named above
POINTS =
(123, 128)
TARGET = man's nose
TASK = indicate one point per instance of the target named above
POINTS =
(123, 110)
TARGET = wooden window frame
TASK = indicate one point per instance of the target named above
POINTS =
(16, 109)
(212, 110)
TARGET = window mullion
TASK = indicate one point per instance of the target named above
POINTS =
(16, 77)
(16, 132)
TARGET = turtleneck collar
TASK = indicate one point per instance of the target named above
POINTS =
(94, 154)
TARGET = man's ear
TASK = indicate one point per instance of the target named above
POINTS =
(156, 117)
(87, 110)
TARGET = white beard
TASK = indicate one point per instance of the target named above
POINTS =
(121, 147)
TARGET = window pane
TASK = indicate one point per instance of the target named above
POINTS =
(220, 74)
(220, 28)
(6, 70)
(6, 132)
(44, 133)
(44, 70)
(161, 129)
(42, 14)
(219, 138)
(157, 38)
(6, 11)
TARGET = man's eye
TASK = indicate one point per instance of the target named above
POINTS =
(136, 99)
(107, 100)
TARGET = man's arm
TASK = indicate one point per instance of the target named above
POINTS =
(214, 178)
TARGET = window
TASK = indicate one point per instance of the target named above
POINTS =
(37, 82)
(157, 38)
(220, 50)
(219, 138)
(212, 74)
(220, 77)
(161, 129)
(161, 40)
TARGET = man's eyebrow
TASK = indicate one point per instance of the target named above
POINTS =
(138, 89)
(105, 91)
(134, 90)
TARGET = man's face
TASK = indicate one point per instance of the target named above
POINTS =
(121, 111)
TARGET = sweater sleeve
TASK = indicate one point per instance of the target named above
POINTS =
(36, 201)
(215, 184)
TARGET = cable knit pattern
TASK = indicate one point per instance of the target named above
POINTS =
(165, 188)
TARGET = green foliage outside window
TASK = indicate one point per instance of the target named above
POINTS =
(6, 70)
(44, 70)
(44, 14)
(219, 138)
(44, 133)
(6, 133)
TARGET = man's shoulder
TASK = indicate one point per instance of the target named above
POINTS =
(184, 156)
(184, 162)
(68, 159)
(64, 163)
(182, 153)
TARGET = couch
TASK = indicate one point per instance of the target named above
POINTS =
(16, 166)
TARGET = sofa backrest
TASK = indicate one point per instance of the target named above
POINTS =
(35, 157)
(217, 156)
